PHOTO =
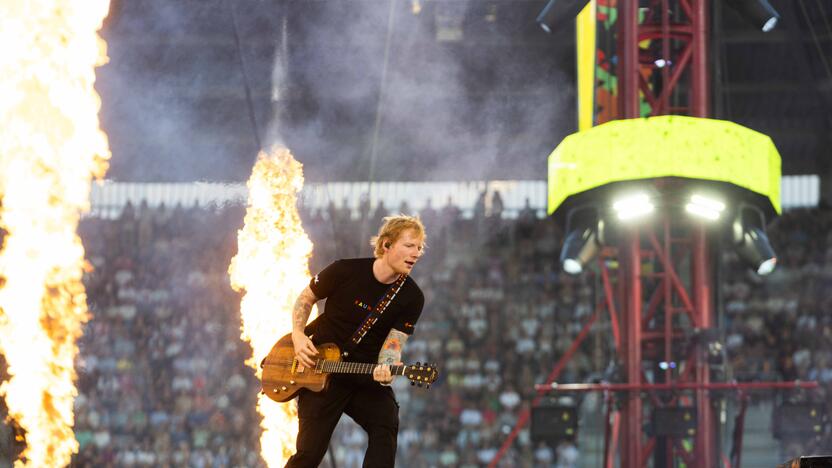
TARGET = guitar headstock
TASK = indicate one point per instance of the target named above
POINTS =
(422, 374)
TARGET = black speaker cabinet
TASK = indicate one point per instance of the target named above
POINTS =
(798, 420)
(677, 421)
(553, 423)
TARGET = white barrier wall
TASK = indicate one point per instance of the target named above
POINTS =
(108, 197)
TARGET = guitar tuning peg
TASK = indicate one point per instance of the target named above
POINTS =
(412, 383)
(427, 386)
(418, 364)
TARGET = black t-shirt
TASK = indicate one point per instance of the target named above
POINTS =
(351, 290)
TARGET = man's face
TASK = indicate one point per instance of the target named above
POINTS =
(403, 254)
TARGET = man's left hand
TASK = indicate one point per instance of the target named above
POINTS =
(382, 375)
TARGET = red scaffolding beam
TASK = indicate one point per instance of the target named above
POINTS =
(663, 57)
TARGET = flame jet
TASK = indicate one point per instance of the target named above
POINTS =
(51, 147)
(271, 269)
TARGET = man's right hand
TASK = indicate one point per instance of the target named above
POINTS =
(304, 349)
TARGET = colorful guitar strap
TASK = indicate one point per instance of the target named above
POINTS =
(374, 315)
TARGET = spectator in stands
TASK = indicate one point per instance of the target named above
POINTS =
(162, 382)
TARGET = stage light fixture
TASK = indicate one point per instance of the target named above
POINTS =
(632, 207)
(705, 207)
(558, 12)
(755, 249)
(760, 13)
(579, 248)
(581, 243)
(750, 240)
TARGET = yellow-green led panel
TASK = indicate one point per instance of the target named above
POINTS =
(664, 146)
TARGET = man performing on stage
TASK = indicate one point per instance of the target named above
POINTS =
(362, 319)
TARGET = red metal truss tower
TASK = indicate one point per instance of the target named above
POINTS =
(662, 60)
(663, 57)
(658, 277)
(663, 329)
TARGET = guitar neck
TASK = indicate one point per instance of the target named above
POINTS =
(340, 367)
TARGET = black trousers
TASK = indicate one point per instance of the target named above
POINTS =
(368, 403)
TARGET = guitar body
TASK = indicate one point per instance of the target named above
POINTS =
(283, 378)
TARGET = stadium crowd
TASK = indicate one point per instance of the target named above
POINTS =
(161, 375)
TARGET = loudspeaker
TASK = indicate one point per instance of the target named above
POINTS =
(677, 421)
(815, 461)
(553, 423)
(798, 419)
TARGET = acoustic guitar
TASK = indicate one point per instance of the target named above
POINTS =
(283, 376)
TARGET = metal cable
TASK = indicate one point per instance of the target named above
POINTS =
(815, 39)
(379, 106)
(249, 103)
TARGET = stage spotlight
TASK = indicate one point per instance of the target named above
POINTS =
(751, 242)
(558, 12)
(581, 243)
(755, 249)
(579, 248)
(705, 207)
(760, 13)
(633, 206)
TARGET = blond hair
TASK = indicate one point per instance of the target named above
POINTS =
(392, 228)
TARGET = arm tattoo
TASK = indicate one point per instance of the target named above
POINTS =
(302, 308)
(391, 350)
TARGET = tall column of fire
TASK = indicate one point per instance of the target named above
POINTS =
(51, 147)
(271, 268)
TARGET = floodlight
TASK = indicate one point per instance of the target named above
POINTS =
(705, 207)
(557, 12)
(750, 240)
(760, 13)
(581, 243)
(633, 206)
(579, 248)
(755, 249)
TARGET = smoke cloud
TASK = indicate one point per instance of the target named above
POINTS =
(472, 90)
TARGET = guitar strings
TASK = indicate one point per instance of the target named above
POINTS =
(281, 363)
(355, 367)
